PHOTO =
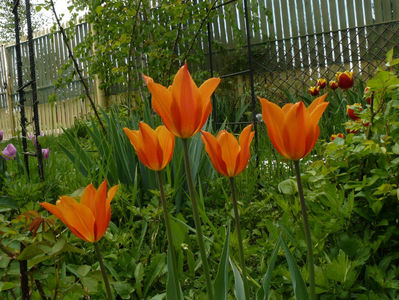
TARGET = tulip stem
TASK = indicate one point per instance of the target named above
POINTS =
(239, 237)
(103, 271)
(307, 231)
(197, 220)
(169, 232)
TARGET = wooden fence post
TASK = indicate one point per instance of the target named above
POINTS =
(100, 96)
(7, 76)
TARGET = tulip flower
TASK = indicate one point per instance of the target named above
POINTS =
(344, 79)
(183, 107)
(89, 218)
(367, 94)
(46, 152)
(1, 135)
(228, 156)
(293, 129)
(338, 135)
(322, 83)
(153, 147)
(333, 85)
(32, 137)
(9, 152)
(354, 110)
(314, 90)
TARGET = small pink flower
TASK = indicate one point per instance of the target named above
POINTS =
(9, 152)
(46, 152)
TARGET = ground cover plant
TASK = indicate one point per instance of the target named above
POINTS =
(158, 220)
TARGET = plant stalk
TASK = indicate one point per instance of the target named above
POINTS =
(307, 232)
(168, 231)
(239, 237)
(103, 271)
(197, 220)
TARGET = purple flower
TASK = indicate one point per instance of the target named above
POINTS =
(9, 152)
(32, 137)
(1, 135)
(46, 152)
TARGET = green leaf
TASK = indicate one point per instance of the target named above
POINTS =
(238, 283)
(8, 202)
(263, 292)
(6, 286)
(90, 283)
(57, 248)
(123, 289)
(288, 187)
(171, 292)
(179, 233)
(222, 276)
(298, 284)
(30, 252)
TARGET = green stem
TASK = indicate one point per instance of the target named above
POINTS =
(239, 237)
(102, 267)
(307, 231)
(197, 220)
(169, 232)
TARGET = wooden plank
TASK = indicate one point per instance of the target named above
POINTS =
(354, 49)
(327, 36)
(378, 11)
(368, 12)
(296, 43)
(285, 13)
(395, 8)
(386, 10)
(360, 17)
(229, 10)
(343, 32)
(310, 30)
(279, 33)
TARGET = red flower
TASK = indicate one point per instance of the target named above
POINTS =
(322, 83)
(314, 90)
(367, 94)
(338, 135)
(333, 85)
(345, 79)
(354, 110)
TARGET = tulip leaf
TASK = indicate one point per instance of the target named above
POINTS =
(222, 276)
(171, 292)
(263, 292)
(238, 283)
(298, 284)
(8, 202)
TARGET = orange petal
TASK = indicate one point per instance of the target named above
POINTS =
(87, 198)
(161, 102)
(215, 154)
(167, 143)
(136, 140)
(78, 217)
(317, 112)
(245, 140)
(316, 102)
(101, 210)
(230, 151)
(273, 117)
(151, 146)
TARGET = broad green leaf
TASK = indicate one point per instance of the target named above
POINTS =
(238, 283)
(288, 187)
(222, 276)
(124, 289)
(8, 202)
(263, 292)
(298, 284)
(30, 252)
(90, 283)
(6, 286)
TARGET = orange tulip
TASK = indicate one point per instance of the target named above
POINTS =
(293, 129)
(333, 85)
(345, 79)
(183, 107)
(89, 218)
(153, 147)
(228, 156)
